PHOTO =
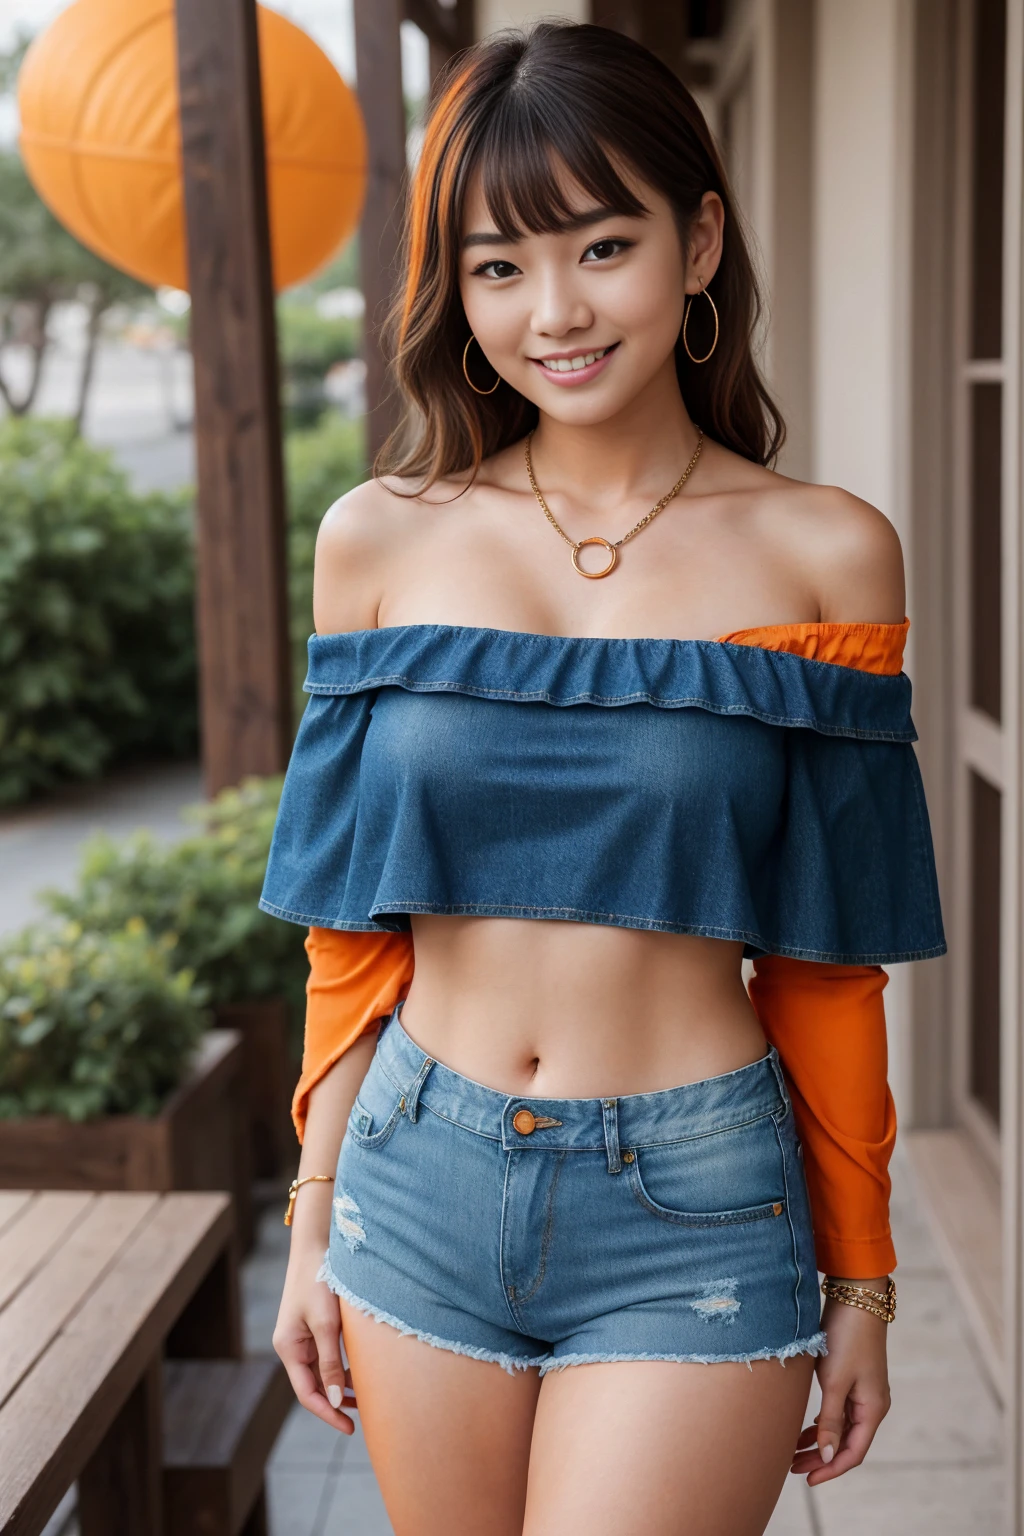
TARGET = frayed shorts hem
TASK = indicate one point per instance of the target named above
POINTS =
(814, 1344)
(510, 1363)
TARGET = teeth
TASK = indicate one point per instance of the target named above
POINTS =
(572, 364)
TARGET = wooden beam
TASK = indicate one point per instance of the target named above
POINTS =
(661, 25)
(379, 82)
(448, 29)
(440, 23)
(245, 682)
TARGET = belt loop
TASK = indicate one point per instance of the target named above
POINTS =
(773, 1057)
(610, 1110)
(412, 1098)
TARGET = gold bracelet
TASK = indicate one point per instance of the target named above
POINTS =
(878, 1303)
(296, 1185)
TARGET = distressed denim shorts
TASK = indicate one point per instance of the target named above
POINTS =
(552, 1232)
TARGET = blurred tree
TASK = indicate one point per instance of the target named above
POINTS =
(41, 264)
(309, 345)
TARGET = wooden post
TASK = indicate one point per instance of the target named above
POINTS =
(245, 682)
(379, 82)
(120, 1491)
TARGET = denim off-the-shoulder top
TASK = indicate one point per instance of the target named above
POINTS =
(682, 786)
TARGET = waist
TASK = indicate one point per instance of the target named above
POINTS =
(541, 1122)
(574, 1009)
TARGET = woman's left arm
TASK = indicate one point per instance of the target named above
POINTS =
(827, 1023)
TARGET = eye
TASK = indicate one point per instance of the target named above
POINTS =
(604, 250)
(495, 269)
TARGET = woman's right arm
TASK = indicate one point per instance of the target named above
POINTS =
(347, 589)
(308, 1332)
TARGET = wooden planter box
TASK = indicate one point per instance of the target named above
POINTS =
(198, 1140)
(268, 1075)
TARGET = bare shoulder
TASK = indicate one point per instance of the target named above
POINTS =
(848, 551)
(356, 536)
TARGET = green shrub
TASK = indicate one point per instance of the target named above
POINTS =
(309, 344)
(97, 656)
(322, 465)
(202, 892)
(97, 647)
(93, 1024)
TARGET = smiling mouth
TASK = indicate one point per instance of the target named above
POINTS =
(575, 363)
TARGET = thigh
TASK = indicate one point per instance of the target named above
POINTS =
(663, 1448)
(448, 1436)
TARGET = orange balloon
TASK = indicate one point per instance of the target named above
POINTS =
(101, 139)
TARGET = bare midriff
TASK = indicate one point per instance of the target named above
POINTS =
(577, 1010)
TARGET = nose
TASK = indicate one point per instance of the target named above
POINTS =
(559, 308)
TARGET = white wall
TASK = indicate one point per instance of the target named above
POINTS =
(855, 218)
(862, 85)
(492, 15)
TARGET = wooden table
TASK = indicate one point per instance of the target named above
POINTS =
(93, 1288)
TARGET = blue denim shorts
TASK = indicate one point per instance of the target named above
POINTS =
(552, 1232)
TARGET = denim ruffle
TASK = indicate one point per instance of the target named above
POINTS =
(680, 786)
(773, 686)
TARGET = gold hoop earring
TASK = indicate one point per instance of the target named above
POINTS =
(465, 370)
(686, 318)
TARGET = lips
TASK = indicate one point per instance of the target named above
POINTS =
(574, 367)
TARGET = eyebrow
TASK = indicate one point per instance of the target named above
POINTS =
(576, 221)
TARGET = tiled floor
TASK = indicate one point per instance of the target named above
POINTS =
(934, 1469)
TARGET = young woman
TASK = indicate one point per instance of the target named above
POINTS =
(600, 705)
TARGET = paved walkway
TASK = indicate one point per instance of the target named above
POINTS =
(40, 843)
(935, 1467)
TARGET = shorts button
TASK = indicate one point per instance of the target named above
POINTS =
(627, 1157)
(401, 1103)
(524, 1122)
(777, 1208)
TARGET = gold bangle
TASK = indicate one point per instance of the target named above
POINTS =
(878, 1303)
(296, 1185)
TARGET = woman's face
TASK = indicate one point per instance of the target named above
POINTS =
(581, 322)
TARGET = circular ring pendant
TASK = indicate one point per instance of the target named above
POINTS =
(595, 575)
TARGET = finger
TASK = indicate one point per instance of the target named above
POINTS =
(851, 1453)
(327, 1338)
(831, 1421)
(306, 1386)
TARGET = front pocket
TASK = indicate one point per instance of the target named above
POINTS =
(360, 1126)
(377, 1109)
(716, 1180)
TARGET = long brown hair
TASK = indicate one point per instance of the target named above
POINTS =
(523, 108)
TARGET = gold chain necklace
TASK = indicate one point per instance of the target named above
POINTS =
(577, 544)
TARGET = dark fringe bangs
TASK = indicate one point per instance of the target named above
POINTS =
(530, 159)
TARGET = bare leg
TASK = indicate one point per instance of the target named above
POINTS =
(449, 1437)
(656, 1448)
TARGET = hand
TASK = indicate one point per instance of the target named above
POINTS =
(308, 1339)
(854, 1382)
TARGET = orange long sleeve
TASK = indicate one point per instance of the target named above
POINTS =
(354, 979)
(827, 1023)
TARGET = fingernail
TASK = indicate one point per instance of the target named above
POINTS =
(334, 1397)
(826, 1452)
